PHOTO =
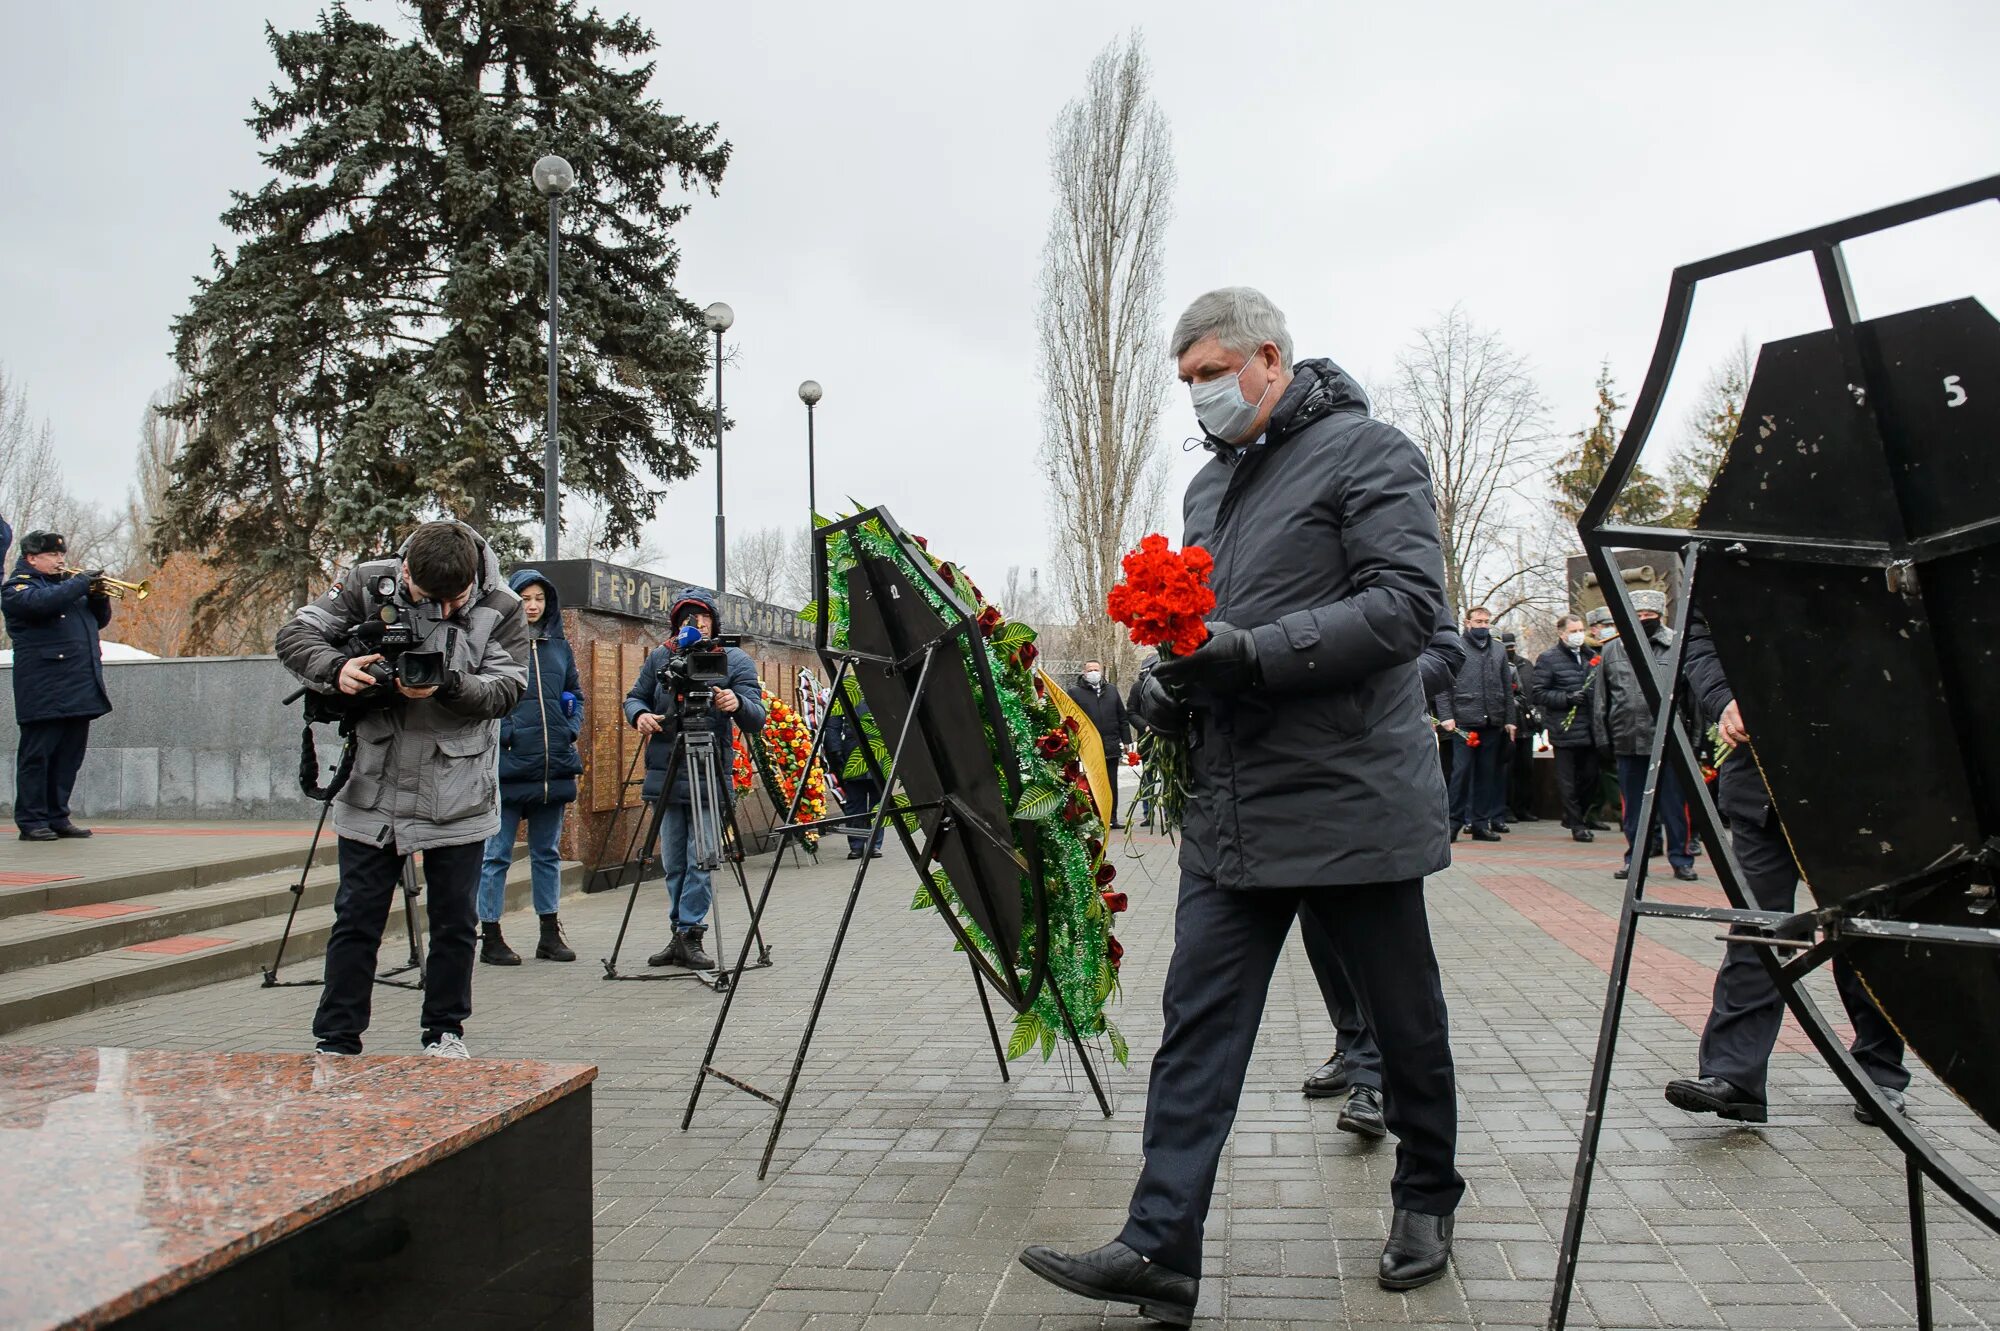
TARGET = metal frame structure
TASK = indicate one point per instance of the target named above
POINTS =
(1814, 936)
(938, 821)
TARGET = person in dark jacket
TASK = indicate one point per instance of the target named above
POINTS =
(858, 794)
(1356, 1063)
(58, 680)
(1105, 706)
(539, 766)
(1479, 707)
(1139, 730)
(1621, 725)
(1520, 748)
(653, 708)
(1743, 1022)
(1311, 784)
(1563, 680)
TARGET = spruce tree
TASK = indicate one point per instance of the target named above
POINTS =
(373, 351)
(1642, 501)
(1712, 427)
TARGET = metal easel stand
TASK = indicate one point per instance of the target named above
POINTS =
(941, 818)
(1815, 936)
(696, 752)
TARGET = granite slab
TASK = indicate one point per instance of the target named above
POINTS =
(128, 1174)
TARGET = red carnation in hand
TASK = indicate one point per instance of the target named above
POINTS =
(1165, 598)
(1471, 739)
(1597, 660)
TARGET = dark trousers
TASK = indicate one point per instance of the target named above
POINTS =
(1577, 777)
(1743, 1023)
(1352, 1040)
(369, 879)
(1670, 810)
(45, 768)
(1112, 760)
(1226, 944)
(1521, 776)
(1478, 780)
(859, 796)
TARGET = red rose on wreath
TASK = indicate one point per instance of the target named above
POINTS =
(989, 620)
(1115, 902)
(1105, 875)
(1114, 952)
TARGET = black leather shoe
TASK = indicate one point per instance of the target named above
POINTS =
(38, 834)
(1116, 1274)
(70, 830)
(1582, 834)
(1866, 1115)
(1455, 831)
(1362, 1115)
(1418, 1250)
(1328, 1080)
(1481, 834)
(1687, 875)
(1593, 825)
(1527, 818)
(1620, 874)
(1502, 828)
(1713, 1095)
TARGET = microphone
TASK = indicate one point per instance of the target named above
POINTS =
(688, 636)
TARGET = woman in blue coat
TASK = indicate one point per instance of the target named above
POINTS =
(538, 770)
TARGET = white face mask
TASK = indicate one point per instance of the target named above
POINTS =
(1573, 640)
(1093, 677)
(1222, 409)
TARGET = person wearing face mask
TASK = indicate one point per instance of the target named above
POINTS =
(1311, 785)
(1480, 707)
(1105, 707)
(1563, 681)
(1621, 724)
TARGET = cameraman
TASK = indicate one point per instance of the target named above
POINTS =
(654, 708)
(424, 774)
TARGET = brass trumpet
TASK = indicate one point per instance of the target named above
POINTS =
(113, 587)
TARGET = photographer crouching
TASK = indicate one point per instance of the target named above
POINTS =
(694, 680)
(425, 653)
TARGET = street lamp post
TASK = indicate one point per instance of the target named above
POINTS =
(719, 317)
(554, 178)
(810, 394)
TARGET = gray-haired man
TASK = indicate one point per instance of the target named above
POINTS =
(1314, 785)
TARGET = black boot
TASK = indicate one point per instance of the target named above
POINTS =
(493, 949)
(552, 947)
(1116, 1274)
(692, 956)
(1418, 1250)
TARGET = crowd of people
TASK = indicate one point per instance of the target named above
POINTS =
(1342, 729)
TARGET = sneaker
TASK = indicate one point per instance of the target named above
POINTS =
(325, 1051)
(447, 1046)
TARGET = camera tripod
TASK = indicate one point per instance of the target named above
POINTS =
(412, 884)
(714, 838)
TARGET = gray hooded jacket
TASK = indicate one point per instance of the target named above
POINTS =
(424, 770)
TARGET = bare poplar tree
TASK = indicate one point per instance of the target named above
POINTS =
(760, 564)
(585, 536)
(1104, 368)
(35, 495)
(1472, 405)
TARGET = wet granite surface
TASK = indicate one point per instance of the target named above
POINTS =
(126, 1175)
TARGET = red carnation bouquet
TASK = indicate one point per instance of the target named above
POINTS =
(1164, 602)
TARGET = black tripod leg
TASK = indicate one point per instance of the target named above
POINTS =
(1076, 1043)
(1920, 1242)
(411, 921)
(986, 1006)
(298, 893)
(729, 994)
(655, 813)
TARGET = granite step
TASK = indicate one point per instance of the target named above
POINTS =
(194, 946)
(65, 889)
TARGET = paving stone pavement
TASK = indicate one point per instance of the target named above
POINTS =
(909, 1176)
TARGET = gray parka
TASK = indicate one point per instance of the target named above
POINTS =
(424, 768)
(1325, 540)
(1621, 723)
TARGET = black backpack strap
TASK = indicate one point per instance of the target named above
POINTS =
(309, 764)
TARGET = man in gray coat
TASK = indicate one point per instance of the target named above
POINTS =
(425, 776)
(1314, 783)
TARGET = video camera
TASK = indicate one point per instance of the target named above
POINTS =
(394, 634)
(697, 666)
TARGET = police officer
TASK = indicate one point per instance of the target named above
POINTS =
(58, 680)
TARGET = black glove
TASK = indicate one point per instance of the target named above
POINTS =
(1226, 663)
(1156, 708)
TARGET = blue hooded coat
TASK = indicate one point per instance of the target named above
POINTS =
(58, 665)
(538, 758)
(653, 692)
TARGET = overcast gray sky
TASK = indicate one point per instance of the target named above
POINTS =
(1545, 165)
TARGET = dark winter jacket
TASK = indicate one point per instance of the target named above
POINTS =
(1520, 675)
(1443, 656)
(1482, 694)
(1106, 710)
(424, 771)
(1620, 721)
(653, 692)
(1563, 684)
(58, 666)
(539, 763)
(1325, 542)
(6, 541)
(1740, 791)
